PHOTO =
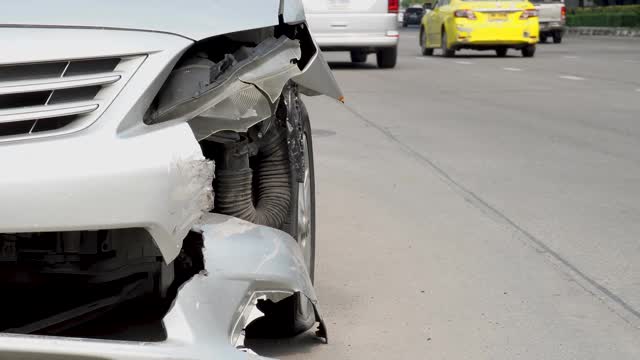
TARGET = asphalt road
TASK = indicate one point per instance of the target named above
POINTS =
(480, 207)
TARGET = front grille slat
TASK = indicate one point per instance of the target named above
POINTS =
(41, 99)
(29, 86)
(43, 112)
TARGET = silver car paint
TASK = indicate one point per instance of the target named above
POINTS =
(118, 172)
(243, 261)
(121, 173)
(193, 19)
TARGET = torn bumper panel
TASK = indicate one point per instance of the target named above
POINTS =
(243, 261)
(92, 183)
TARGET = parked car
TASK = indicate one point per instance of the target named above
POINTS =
(361, 27)
(552, 15)
(480, 25)
(114, 118)
(412, 16)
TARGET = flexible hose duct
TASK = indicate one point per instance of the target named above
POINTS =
(233, 184)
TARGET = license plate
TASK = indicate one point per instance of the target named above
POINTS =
(498, 17)
(7, 250)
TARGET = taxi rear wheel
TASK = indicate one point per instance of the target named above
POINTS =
(501, 52)
(529, 51)
(446, 51)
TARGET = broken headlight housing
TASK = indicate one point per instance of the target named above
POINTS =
(234, 93)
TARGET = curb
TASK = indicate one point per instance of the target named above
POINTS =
(603, 31)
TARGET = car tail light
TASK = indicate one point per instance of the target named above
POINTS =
(529, 13)
(464, 13)
(563, 13)
(393, 6)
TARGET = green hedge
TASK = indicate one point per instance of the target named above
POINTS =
(606, 16)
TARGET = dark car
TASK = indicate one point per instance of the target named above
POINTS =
(412, 16)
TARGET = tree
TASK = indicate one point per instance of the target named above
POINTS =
(407, 3)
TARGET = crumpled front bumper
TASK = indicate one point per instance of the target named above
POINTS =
(243, 261)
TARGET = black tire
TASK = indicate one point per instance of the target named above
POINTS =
(304, 315)
(387, 57)
(295, 314)
(543, 38)
(405, 25)
(446, 52)
(557, 38)
(358, 57)
(529, 51)
(501, 52)
(423, 44)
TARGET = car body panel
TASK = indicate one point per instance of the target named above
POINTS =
(194, 19)
(83, 180)
(350, 24)
(243, 261)
(496, 24)
(119, 172)
(292, 11)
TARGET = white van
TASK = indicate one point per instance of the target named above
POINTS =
(361, 27)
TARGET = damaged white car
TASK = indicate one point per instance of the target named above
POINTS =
(158, 180)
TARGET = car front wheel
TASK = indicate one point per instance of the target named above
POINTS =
(423, 44)
(295, 314)
(446, 51)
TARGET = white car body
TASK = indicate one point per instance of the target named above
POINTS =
(77, 79)
(93, 160)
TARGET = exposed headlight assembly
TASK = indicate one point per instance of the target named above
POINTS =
(231, 94)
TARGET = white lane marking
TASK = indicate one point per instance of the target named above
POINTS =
(511, 69)
(571, 77)
(464, 62)
(570, 57)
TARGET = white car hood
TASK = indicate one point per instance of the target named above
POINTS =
(193, 19)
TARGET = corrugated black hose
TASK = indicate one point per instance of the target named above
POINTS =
(233, 184)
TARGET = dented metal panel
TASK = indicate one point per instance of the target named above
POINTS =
(292, 11)
(242, 260)
(243, 92)
(317, 79)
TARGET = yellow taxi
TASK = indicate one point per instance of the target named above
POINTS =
(480, 25)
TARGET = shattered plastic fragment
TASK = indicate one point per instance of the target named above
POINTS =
(192, 186)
